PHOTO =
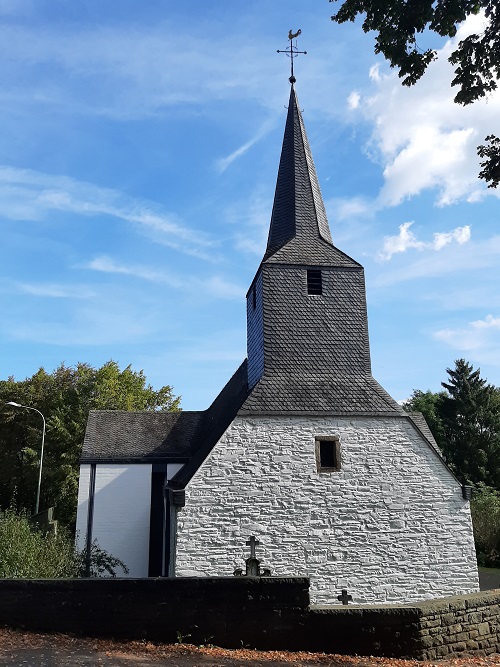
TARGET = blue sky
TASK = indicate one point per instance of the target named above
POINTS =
(139, 146)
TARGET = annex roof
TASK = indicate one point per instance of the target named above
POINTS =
(119, 435)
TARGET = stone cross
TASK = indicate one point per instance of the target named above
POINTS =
(252, 543)
(344, 598)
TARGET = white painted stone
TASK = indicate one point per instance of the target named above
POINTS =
(390, 526)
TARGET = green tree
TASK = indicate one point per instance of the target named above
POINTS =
(470, 413)
(429, 404)
(65, 398)
(485, 510)
(397, 24)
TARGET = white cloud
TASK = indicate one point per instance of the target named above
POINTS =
(353, 100)
(461, 235)
(400, 243)
(406, 239)
(489, 322)
(479, 337)
(422, 138)
(374, 72)
(468, 257)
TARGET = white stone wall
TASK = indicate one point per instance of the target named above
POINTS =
(122, 504)
(390, 526)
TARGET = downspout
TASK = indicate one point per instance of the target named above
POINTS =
(173, 499)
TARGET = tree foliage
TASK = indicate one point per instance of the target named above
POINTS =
(485, 510)
(65, 398)
(465, 421)
(429, 404)
(471, 419)
(398, 24)
(490, 166)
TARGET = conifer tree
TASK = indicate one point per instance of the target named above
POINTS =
(470, 414)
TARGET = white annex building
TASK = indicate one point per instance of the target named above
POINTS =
(302, 448)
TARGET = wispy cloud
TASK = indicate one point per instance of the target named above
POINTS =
(129, 71)
(223, 163)
(55, 291)
(347, 208)
(406, 239)
(31, 195)
(215, 286)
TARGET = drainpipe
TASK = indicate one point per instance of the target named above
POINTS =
(173, 499)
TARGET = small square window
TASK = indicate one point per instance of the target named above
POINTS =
(314, 281)
(328, 454)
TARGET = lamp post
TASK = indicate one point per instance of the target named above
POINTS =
(27, 407)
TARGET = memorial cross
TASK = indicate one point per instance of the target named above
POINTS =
(344, 598)
(252, 543)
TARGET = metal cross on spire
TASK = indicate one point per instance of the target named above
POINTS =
(292, 51)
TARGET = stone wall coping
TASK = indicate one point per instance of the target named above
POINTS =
(424, 608)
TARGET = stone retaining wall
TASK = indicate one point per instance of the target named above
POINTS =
(426, 630)
(267, 613)
(465, 623)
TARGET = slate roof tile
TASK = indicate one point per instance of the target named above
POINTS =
(120, 435)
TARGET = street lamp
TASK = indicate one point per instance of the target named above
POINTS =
(27, 407)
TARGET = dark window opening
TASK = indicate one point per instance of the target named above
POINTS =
(328, 454)
(314, 282)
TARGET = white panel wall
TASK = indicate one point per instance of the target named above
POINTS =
(390, 526)
(122, 504)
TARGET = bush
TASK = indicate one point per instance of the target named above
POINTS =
(28, 553)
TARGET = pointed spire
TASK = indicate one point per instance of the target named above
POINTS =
(298, 209)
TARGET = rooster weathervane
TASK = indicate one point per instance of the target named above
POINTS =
(292, 51)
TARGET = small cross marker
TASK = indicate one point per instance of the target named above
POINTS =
(344, 598)
(252, 543)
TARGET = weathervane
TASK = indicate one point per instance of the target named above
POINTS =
(292, 51)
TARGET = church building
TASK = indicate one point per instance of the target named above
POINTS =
(302, 449)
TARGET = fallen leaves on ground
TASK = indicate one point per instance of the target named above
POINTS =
(187, 655)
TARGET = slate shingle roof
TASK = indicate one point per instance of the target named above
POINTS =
(298, 208)
(313, 394)
(119, 435)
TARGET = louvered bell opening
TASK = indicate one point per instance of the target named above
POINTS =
(314, 282)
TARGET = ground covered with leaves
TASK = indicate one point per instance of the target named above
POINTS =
(39, 650)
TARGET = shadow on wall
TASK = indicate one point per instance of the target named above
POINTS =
(489, 578)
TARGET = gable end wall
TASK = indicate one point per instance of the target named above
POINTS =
(391, 526)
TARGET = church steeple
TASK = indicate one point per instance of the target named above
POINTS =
(307, 327)
(298, 208)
